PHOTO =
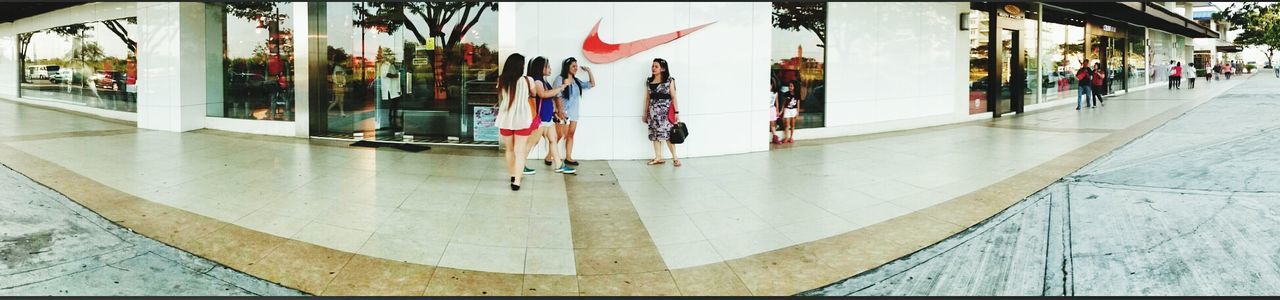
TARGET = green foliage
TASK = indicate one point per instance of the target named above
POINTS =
(1260, 24)
(794, 16)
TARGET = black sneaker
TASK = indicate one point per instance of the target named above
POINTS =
(571, 162)
(546, 162)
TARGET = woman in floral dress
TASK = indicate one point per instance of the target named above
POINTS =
(662, 110)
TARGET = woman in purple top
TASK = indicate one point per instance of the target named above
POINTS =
(548, 108)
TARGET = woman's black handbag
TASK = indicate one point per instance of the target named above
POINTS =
(679, 132)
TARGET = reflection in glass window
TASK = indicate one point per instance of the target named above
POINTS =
(1030, 36)
(1136, 71)
(1061, 52)
(257, 62)
(979, 60)
(799, 55)
(1162, 52)
(92, 64)
(398, 69)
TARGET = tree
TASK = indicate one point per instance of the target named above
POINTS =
(24, 40)
(391, 16)
(1260, 25)
(122, 33)
(794, 16)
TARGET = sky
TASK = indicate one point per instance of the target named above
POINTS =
(785, 42)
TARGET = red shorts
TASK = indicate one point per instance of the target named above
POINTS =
(522, 132)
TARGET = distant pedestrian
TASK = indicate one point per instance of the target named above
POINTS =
(1084, 79)
(1177, 76)
(1217, 71)
(1227, 70)
(1172, 77)
(1098, 81)
(1191, 75)
(791, 109)
(773, 113)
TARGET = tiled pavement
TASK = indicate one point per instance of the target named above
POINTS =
(326, 218)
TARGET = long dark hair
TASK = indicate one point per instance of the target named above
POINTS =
(666, 72)
(511, 73)
(564, 75)
(536, 66)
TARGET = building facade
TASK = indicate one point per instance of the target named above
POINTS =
(402, 72)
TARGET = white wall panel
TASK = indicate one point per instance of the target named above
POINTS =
(715, 70)
(904, 69)
(8, 61)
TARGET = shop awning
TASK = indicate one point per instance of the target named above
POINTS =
(18, 10)
(1142, 14)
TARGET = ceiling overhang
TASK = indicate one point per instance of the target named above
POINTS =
(1142, 14)
(14, 11)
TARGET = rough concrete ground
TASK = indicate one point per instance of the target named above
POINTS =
(50, 245)
(1191, 208)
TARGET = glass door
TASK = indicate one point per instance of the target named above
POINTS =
(1115, 65)
(354, 55)
(1012, 77)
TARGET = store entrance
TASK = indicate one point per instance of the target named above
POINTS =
(1109, 54)
(1012, 73)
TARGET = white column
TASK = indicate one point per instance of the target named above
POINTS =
(172, 65)
(301, 69)
(8, 61)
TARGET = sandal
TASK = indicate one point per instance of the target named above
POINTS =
(676, 162)
(656, 162)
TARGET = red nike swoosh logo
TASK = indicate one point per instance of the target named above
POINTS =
(597, 51)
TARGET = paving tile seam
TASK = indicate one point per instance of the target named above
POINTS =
(71, 134)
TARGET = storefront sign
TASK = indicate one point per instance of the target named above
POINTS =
(1108, 28)
(484, 124)
(1013, 10)
(600, 52)
(1010, 11)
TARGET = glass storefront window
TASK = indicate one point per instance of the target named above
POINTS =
(1061, 52)
(1030, 36)
(1137, 59)
(390, 76)
(799, 55)
(257, 62)
(979, 60)
(92, 64)
(1162, 52)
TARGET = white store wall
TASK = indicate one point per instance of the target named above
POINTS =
(894, 66)
(719, 70)
(890, 66)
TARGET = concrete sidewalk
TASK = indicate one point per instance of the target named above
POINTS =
(50, 245)
(1188, 209)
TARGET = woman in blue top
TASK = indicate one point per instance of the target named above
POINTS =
(571, 96)
(548, 109)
